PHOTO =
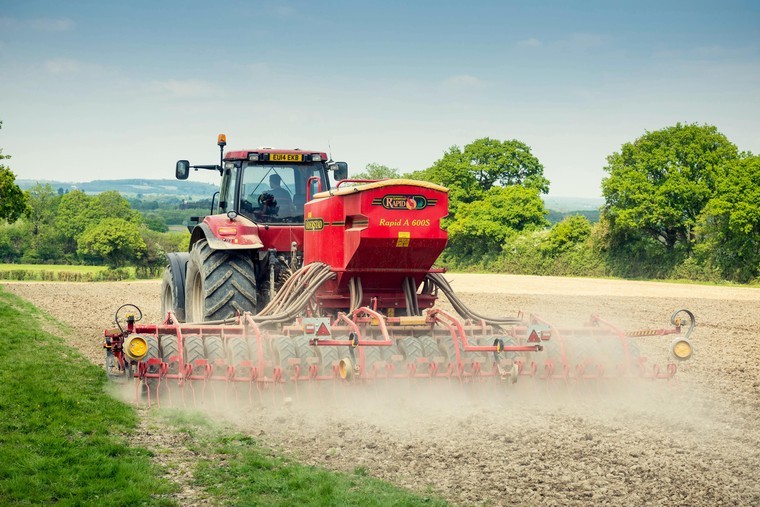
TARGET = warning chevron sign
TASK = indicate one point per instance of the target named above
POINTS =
(314, 327)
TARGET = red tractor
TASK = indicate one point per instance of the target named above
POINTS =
(253, 237)
(290, 280)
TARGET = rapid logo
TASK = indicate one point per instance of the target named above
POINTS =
(409, 202)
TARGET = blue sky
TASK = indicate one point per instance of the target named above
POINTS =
(106, 90)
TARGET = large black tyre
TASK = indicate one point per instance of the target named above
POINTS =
(328, 357)
(168, 347)
(389, 353)
(304, 351)
(173, 286)
(237, 351)
(214, 350)
(372, 356)
(153, 353)
(448, 349)
(219, 284)
(193, 349)
(480, 357)
(283, 350)
(486, 359)
(413, 350)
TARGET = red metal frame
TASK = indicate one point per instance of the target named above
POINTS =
(369, 328)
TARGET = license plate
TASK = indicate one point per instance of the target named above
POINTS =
(286, 157)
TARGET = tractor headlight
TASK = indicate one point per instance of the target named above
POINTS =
(681, 348)
(136, 347)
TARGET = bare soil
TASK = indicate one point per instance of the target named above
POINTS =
(641, 443)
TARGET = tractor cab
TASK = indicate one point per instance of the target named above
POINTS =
(268, 185)
(272, 186)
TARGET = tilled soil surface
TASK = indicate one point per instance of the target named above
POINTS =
(631, 443)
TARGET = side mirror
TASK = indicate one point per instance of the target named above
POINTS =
(341, 170)
(183, 169)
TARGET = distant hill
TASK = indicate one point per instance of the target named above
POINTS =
(132, 187)
(565, 204)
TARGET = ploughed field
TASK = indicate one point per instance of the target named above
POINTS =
(697, 443)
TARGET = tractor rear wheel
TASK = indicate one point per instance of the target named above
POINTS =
(173, 286)
(220, 283)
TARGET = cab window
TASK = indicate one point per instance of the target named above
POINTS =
(276, 193)
(227, 190)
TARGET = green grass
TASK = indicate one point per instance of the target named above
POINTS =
(62, 440)
(52, 267)
(61, 437)
(236, 470)
(63, 273)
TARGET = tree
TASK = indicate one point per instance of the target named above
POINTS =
(155, 222)
(153, 261)
(12, 199)
(374, 171)
(114, 205)
(659, 184)
(76, 212)
(481, 227)
(571, 231)
(43, 204)
(114, 240)
(729, 228)
(485, 163)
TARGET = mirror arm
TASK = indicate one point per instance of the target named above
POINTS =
(212, 167)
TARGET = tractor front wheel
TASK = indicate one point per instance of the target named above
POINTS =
(220, 283)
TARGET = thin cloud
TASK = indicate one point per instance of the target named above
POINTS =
(50, 25)
(281, 9)
(259, 68)
(63, 66)
(715, 52)
(185, 89)
(462, 82)
(582, 41)
(529, 43)
(284, 11)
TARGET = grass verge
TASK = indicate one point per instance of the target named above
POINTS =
(62, 439)
(236, 470)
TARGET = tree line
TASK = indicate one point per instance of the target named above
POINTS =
(680, 202)
(75, 228)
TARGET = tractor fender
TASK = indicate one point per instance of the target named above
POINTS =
(247, 239)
